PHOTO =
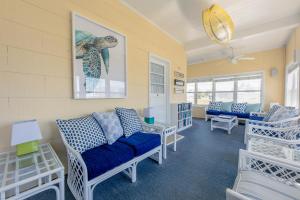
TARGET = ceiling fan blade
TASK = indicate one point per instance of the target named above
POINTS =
(238, 56)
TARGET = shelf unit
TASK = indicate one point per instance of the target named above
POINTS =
(181, 115)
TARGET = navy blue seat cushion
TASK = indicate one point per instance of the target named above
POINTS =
(141, 142)
(257, 118)
(106, 157)
(239, 115)
(213, 112)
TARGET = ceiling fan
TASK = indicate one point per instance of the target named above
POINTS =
(234, 59)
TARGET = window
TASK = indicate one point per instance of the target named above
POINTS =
(191, 92)
(249, 90)
(292, 87)
(204, 92)
(238, 88)
(224, 91)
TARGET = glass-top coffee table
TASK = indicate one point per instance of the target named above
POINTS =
(225, 122)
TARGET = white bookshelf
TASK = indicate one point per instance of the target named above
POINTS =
(181, 115)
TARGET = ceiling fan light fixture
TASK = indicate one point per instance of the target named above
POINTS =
(218, 24)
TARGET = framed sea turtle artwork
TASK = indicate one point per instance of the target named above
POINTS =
(99, 60)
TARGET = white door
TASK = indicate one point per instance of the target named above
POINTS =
(158, 97)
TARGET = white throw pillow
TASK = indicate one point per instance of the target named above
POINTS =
(110, 124)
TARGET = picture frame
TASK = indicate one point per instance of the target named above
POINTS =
(178, 82)
(99, 57)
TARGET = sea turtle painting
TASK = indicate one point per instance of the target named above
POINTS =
(91, 49)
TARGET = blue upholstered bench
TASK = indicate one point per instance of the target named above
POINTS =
(92, 159)
(243, 111)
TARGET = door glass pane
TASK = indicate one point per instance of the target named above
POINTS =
(248, 97)
(156, 68)
(251, 84)
(204, 98)
(191, 97)
(204, 86)
(157, 79)
(292, 98)
(191, 87)
(224, 96)
(225, 86)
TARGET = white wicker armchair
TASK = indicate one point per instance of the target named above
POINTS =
(261, 177)
(266, 128)
(77, 179)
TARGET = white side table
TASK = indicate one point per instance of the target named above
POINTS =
(165, 130)
(25, 176)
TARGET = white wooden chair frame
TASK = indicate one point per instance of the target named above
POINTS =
(275, 170)
(77, 179)
(287, 136)
(270, 128)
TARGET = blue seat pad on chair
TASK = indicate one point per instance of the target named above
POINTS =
(142, 142)
(106, 157)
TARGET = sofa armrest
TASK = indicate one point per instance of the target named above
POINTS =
(77, 172)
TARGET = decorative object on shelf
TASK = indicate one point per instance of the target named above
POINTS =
(99, 61)
(178, 90)
(178, 74)
(181, 115)
(26, 135)
(178, 82)
(149, 115)
(217, 24)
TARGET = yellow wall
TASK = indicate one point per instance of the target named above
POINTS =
(35, 61)
(274, 86)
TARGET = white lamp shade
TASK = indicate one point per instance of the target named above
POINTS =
(25, 131)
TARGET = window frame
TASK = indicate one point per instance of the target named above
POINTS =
(235, 78)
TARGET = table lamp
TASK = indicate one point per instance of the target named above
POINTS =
(149, 115)
(26, 135)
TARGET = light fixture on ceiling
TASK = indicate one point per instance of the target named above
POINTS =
(217, 24)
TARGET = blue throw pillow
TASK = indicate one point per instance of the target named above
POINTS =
(253, 107)
(82, 134)
(238, 107)
(226, 106)
(130, 121)
(110, 124)
(217, 106)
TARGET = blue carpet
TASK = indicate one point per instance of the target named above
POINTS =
(204, 165)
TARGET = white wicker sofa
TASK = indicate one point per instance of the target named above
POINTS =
(79, 180)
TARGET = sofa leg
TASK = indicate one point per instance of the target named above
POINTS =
(160, 157)
(133, 173)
